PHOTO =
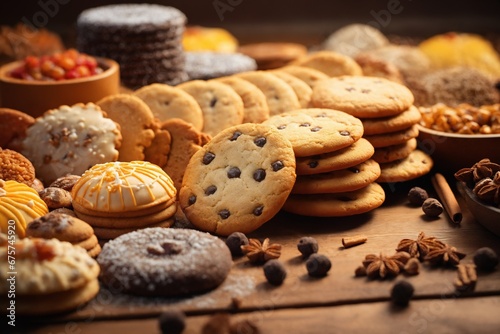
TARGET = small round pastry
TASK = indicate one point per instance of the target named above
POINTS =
(354, 38)
(15, 166)
(270, 55)
(165, 262)
(60, 226)
(13, 126)
(198, 38)
(19, 205)
(52, 276)
(210, 65)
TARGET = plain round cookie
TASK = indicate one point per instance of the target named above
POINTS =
(337, 204)
(165, 262)
(167, 102)
(13, 126)
(136, 124)
(362, 96)
(393, 138)
(361, 150)
(301, 89)
(415, 165)
(206, 65)
(280, 96)
(349, 179)
(106, 233)
(221, 106)
(239, 180)
(270, 55)
(60, 226)
(316, 131)
(404, 120)
(331, 63)
(394, 152)
(307, 74)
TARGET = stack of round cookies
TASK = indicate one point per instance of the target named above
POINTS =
(335, 175)
(389, 120)
(119, 197)
(145, 39)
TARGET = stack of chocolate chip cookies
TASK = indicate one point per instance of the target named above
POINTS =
(145, 39)
(335, 173)
(389, 120)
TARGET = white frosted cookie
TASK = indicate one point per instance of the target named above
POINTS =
(69, 140)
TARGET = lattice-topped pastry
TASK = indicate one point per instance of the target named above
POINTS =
(19, 203)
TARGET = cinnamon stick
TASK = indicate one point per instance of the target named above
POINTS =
(447, 197)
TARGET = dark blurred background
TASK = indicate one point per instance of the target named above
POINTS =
(308, 22)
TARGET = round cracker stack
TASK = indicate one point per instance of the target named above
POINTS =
(121, 197)
(389, 120)
(145, 39)
(335, 173)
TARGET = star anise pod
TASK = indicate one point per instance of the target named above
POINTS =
(383, 266)
(446, 255)
(480, 170)
(420, 247)
(488, 191)
(258, 252)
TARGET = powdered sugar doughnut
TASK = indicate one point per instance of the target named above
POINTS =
(164, 262)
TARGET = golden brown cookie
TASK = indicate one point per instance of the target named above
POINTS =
(280, 96)
(88, 243)
(104, 233)
(269, 55)
(221, 106)
(307, 74)
(349, 179)
(394, 152)
(157, 152)
(14, 166)
(364, 97)
(331, 63)
(60, 226)
(56, 198)
(337, 204)
(168, 102)
(415, 165)
(301, 89)
(13, 126)
(135, 120)
(376, 67)
(316, 131)
(395, 123)
(254, 101)
(393, 138)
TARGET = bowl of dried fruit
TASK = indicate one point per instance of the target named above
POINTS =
(37, 84)
(459, 136)
(480, 187)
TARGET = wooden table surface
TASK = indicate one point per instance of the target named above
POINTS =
(337, 303)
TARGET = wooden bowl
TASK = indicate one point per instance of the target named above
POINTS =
(452, 152)
(486, 215)
(36, 97)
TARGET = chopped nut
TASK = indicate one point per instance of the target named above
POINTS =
(412, 267)
(353, 241)
(466, 277)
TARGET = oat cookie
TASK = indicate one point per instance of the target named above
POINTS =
(239, 180)
(280, 96)
(398, 122)
(307, 74)
(362, 96)
(415, 165)
(316, 131)
(69, 140)
(337, 204)
(301, 89)
(136, 123)
(168, 102)
(221, 106)
(393, 138)
(60, 226)
(254, 100)
(15, 166)
(361, 150)
(394, 152)
(331, 63)
(349, 179)
(13, 126)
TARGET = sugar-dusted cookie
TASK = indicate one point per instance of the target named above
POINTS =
(398, 122)
(307, 74)
(361, 150)
(69, 140)
(221, 106)
(365, 97)
(349, 179)
(13, 126)
(331, 63)
(337, 204)
(15, 166)
(254, 100)
(316, 131)
(60, 226)
(136, 123)
(280, 96)
(206, 65)
(239, 180)
(393, 138)
(415, 165)
(168, 102)
(301, 89)
(165, 262)
(394, 152)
